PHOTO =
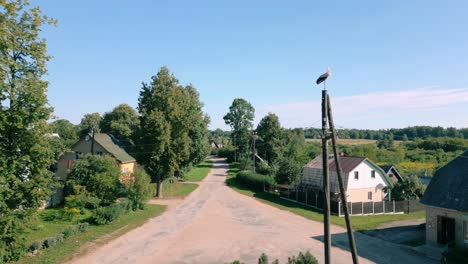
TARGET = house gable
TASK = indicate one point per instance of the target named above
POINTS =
(365, 179)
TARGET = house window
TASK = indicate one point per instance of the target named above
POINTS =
(465, 234)
(125, 171)
(78, 154)
(356, 175)
(390, 175)
(369, 196)
(99, 153)
(372, 173)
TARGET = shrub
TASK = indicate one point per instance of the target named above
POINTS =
(50, 242)
(36, 245)
(83, 227)
(288, 171)
(71, 231)
(59, 238)
(255, 181)
(99, 175)
(105, 215)
(227, 153)
(139, 190)
(302, 258)
(70, 213)
(82, 200)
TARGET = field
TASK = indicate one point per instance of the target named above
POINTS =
(347, 141)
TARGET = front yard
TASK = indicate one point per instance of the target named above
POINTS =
(95, 233)
(358, 222)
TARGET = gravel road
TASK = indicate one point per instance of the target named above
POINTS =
(215, 224)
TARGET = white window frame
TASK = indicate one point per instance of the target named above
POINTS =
(369, 196)
(372, 174)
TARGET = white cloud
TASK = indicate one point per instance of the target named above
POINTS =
(377, 110)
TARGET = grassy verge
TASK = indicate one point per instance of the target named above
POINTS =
(358, 222)
(104, 233)
(177, 189)
(199, 172)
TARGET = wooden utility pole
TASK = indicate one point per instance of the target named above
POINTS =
(326, 178)
(92, 140)
(349, 228)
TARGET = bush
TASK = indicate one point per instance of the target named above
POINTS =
(99, 175)
(82, 200)
(36, 245)
(59, 238)
(50, 242)
(227, 153)
(255, 181)
(139, 189)
(83, 227)
(288, 171)
(105, 215)
(302, 258)
(71, 231)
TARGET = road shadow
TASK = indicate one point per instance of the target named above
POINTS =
(376, 250)
(411, 235)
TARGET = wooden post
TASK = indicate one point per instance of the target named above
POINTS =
(373, 211)
(339, 208)
(393, 206)
(362, 208)
(383, 204)
(326, 179)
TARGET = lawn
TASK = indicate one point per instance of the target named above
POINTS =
(177, 189)
(199, 172)
(358, 222)
(73, 244)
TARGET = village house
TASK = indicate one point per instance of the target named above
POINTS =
(104, 144)
(393, 175)
(446, 200)
(363, 180)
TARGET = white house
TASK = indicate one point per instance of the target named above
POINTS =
(363, 180)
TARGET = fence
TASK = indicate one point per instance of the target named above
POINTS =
(314, 198)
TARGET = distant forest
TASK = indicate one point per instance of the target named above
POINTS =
(408, 133)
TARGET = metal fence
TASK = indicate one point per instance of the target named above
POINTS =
(314, 198)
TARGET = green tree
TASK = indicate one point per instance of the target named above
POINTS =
(88, 122)
(240, 119)
(139, 189)
(67, 131)
(409, 189)
(121, 122)
(270, 137)
(172, 127)
(24, 152)
(99, 175)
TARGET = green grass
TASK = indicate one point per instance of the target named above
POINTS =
(177, 189)
(104, 233)
(199, 172)
(358, 222)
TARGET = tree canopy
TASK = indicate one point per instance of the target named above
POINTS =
(121, 122)
(25, 154)
(173, 129)
(240, 119)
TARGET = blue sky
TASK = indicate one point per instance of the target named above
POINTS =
(394, 63)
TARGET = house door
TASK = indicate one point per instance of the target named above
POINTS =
(445, 230)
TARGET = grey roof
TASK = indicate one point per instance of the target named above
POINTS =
(449, 185)
(106, 142)
(388, 168)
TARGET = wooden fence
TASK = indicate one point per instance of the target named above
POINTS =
(315, 199)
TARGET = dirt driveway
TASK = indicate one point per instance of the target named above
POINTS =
(217, 225)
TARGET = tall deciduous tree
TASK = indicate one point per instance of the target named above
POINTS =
(240, 118)
(170, 116)
(88, 122)
(67, 131)
(24, 152)
(270, 137)
(121, 122)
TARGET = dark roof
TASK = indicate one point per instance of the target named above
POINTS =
(347, 163)
(106, 142)
(388, 168)
(449, 185)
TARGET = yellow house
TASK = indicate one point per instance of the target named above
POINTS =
(103, 145)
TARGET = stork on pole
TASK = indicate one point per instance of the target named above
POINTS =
(329, 132)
